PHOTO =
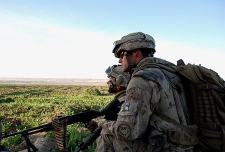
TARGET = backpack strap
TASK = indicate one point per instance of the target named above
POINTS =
(150, 75)
(206, 86)
(210, 87)
(168, 119)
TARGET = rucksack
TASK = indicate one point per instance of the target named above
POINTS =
(205, 92)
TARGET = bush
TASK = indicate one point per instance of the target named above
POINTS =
(93, 91)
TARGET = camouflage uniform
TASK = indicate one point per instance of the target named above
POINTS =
(138, 128)
(116, 77)
(136, 116)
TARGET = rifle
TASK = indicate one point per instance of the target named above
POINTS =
(110, 115)
(59, 125)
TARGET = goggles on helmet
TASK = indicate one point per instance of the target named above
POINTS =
(109, 71)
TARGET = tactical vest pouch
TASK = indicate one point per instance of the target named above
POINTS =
(181, 137)
(211, 138)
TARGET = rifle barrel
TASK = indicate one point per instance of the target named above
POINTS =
(41, 128)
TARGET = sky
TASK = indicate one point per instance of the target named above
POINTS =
(74, 39)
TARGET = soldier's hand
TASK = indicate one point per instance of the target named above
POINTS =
(92, 125)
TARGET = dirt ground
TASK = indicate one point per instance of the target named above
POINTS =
(43, 144)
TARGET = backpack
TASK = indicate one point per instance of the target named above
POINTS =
(205, 93)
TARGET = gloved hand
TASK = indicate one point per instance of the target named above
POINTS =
(92, 125)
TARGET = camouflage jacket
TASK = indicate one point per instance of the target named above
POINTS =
(149, 89)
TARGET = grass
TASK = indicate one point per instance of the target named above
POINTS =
(27, 106)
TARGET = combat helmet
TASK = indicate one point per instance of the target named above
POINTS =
(133, 41)
(117, 76)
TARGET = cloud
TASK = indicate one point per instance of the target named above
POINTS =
(42, 50)
(36, 49)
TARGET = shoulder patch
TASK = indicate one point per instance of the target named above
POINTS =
(125, 106)
(124, 130)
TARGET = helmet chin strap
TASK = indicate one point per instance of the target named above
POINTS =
(131, 66)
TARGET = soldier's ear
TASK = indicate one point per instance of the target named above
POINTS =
(135, 52)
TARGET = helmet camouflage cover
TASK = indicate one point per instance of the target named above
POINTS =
(133, 41)
(117, 76)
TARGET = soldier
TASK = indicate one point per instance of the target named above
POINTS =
(118, 81)
(117, 85)
(139, 127)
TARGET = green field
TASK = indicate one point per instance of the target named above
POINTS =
(26, 106)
